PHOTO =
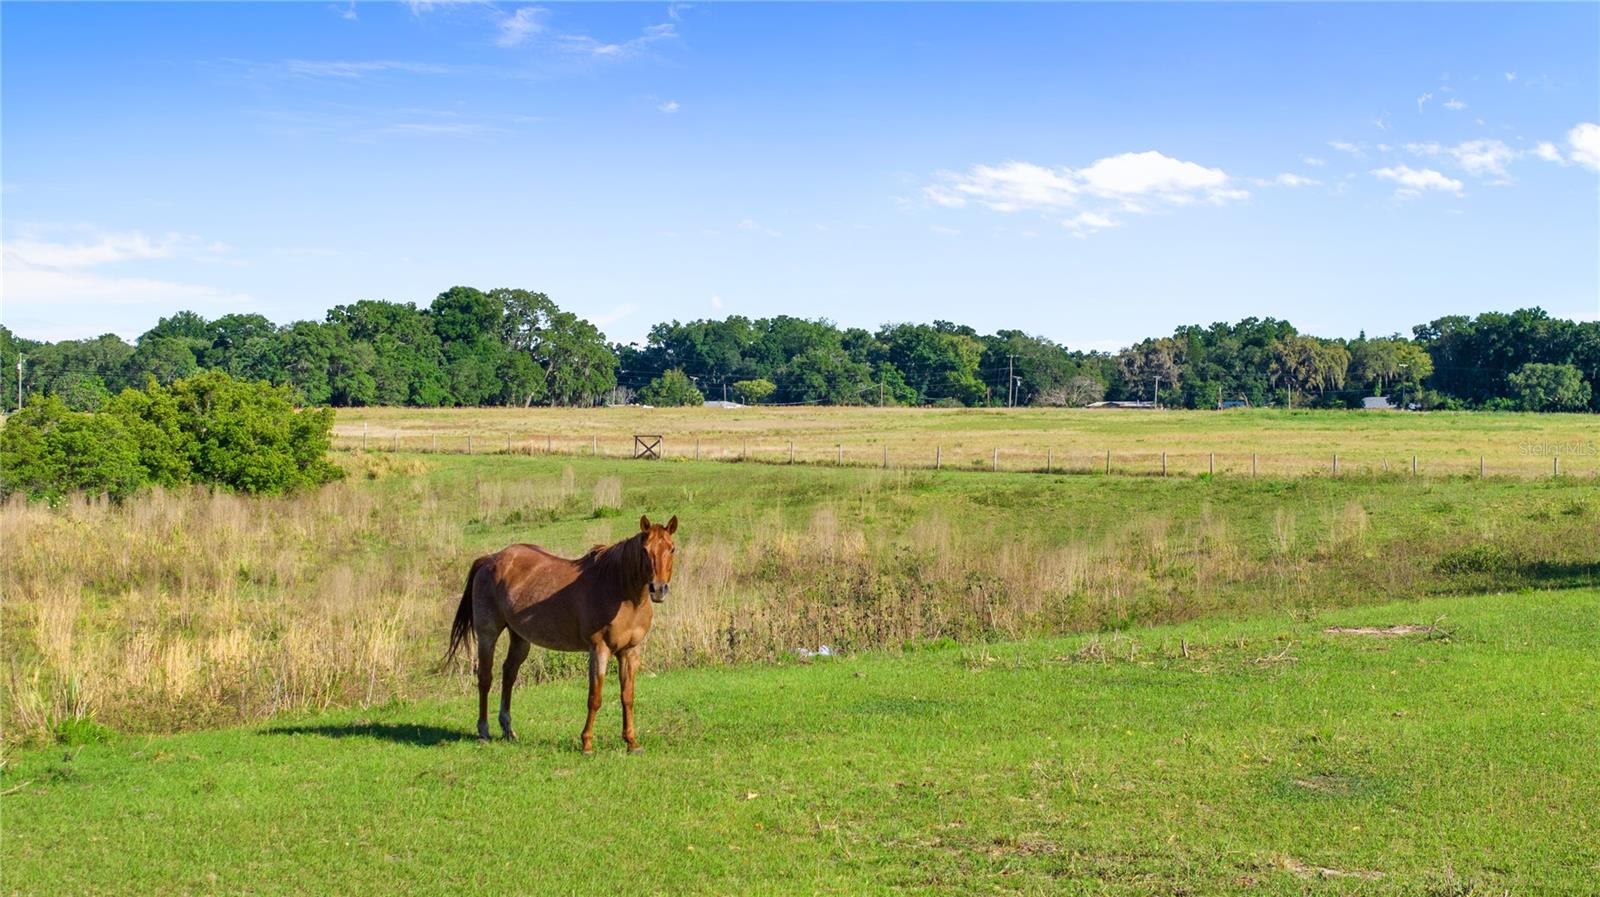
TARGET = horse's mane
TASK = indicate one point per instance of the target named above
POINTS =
(613, 554)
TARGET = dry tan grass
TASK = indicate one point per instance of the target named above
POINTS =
(1058, 439)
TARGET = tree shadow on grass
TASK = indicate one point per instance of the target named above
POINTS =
(399, 733)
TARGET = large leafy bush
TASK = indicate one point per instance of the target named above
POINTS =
(208, 428)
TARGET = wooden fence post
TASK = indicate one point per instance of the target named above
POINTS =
(394, 445)
(469, 443)
(938, 451)
(1555, 465)
(508, 443)
(838, 455)
(1335, 463)
(997, 459)
(1163, 463)
(1046, 460)
(886, 456)
(697, 448)
(791, 451)
(1212, 463)
(1254, 464)
(1108, 462)
(435, 448)
(1480, 467)
(1413, 465)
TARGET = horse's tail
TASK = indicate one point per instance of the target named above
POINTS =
(461, 630)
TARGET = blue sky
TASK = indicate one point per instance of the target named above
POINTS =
(1092, 173)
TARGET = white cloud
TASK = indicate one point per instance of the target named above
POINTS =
(1413, 182)
(517, 27)
(1345, 146)
(716, 302)
(1381, 123)
(1146, 177)
(337, 68)
(1087, 223)
(1511, 76)
(614, 315)
(1548, 152)
(669, 107)
(586, 45)
(46, 275)
(1476, 157)
(1422, 100)
(751, 225)
(946, 231)
(1313, 161)
(1585, 143)
(1454, 105)
(1287, 179)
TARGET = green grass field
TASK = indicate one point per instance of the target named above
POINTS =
(1259, 756)
(1276, 442)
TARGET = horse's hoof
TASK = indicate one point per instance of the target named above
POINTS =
(636, 749)
(510, 736)
(588, 752)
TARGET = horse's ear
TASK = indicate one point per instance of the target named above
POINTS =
(644, 524)
(672, 525)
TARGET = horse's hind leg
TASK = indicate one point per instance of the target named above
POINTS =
(487, 637)
(517, 653)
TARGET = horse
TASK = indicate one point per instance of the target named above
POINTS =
(595, 603)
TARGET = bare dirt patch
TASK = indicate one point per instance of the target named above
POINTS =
(1408, 629)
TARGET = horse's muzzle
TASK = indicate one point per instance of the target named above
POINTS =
(658, 593)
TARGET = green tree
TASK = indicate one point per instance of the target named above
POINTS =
(753, 392)
(671, 389)
(166, 358)
(1549, 387)
(825, 376)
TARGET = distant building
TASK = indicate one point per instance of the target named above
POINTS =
(718, 403)
(1378, 403)
(1148, 406)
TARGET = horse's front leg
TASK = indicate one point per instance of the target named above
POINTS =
(627, 668)
(599, 657)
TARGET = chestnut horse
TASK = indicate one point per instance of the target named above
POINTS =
(595, 604)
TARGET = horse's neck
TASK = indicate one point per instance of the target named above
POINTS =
(624, 565)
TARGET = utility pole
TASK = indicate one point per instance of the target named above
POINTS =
(1011, 381)
(19, 381)
(1156, 403)
(880, 391)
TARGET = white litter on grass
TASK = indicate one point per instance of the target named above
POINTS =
(823, 651)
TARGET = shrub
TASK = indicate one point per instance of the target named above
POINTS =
(209, 428)
(248, 436)
(47, 451)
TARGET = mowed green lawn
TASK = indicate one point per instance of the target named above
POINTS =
(1262, 756)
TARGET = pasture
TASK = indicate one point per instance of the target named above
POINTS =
(1258, 756)
(1042, 683)
(1272, 442)
(192, 608)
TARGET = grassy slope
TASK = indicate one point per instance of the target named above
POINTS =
(1082, 765)
(1287, 442)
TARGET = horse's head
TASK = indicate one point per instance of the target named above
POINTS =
(658, 551)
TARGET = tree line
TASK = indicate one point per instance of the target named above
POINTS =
(471, 347)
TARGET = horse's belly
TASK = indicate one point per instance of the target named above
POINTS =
(547, 627)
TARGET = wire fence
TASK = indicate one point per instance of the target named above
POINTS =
(1584, 462)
